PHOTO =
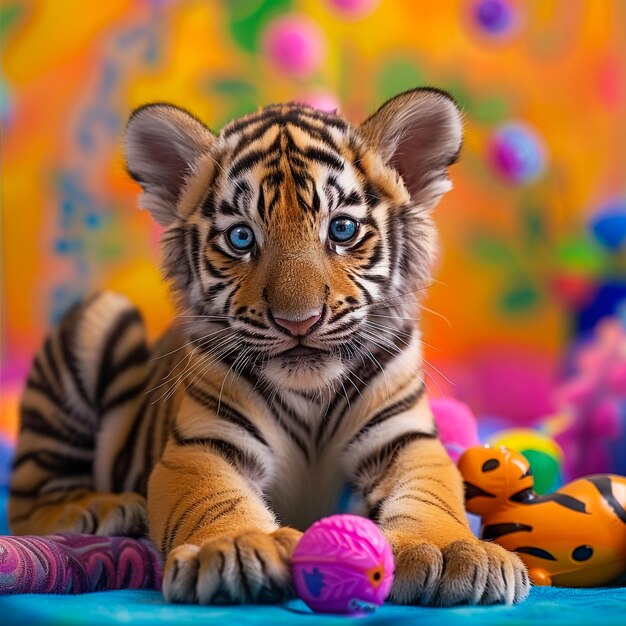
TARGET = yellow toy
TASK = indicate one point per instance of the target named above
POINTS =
(574, 537)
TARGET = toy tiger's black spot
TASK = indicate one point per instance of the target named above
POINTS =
(582, 553)
(490, 465)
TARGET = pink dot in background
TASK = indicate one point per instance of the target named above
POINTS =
(295, 44)
(322, 100)
(354, 9)
(610, 81)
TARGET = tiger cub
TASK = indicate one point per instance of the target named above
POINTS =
(297, 246)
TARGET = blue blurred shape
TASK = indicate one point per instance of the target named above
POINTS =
(609, 225)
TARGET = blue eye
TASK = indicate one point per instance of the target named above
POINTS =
(241, 237)
(342, 229)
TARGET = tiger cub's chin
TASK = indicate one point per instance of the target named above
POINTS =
(311, 373)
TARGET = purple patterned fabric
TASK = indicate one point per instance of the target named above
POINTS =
(75, 563)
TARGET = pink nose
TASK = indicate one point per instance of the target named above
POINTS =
(300, 327)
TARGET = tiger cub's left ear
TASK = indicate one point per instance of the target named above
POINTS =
(419, 133)
(163, 144)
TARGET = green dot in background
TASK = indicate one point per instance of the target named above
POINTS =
(247, 19)
(519, 299)
(396, 76)
(9, 16)
(489, 110)
(491, 250)
(581, 254)
(546, 470)
(241, 97)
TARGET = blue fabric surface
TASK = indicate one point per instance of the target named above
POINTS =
(142, 608)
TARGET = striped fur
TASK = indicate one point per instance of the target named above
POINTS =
(245, 442)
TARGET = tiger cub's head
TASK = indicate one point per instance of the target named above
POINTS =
(302, 238)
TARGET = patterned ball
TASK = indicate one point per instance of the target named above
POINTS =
(517, 153)
(343, 564)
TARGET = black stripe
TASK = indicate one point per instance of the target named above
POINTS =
(57, 462)
(391, 411)
(226, 411)
(67, 340)
(389, 452)
(268, 113)
(252, 158)
(115, 335)
(192, 245)
(538, 552)
(293, 415)
(124, 457)
(298, 119)
(605, 486)
(33, 420)
(325, 157)
(439, 504)
(494, 531)
(229, 451)
(528, 496)
(472, 491)
(83, 481)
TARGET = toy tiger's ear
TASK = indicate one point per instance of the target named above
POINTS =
(419, 133)
(163, 143)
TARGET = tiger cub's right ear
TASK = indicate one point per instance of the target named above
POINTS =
(163, 143)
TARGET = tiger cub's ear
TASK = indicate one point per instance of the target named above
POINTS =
(419, 133)
(162, 145)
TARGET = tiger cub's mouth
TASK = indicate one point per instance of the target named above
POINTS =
(302, 351)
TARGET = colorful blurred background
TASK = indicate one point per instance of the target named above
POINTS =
(533, 235)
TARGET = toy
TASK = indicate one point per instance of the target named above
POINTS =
(74, 563)
(456, 425)
(592, 400)
(343, 564)
(517, 153)
(542, 452)
(574, 537)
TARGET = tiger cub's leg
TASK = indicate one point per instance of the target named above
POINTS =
(418, 503)
(221, 542)
(90, 369)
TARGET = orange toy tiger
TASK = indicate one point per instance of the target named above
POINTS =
(574, 537)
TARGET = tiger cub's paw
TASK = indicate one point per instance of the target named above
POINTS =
(251, 567)
(102, 514)
(464, 572)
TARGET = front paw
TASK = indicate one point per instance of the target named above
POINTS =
(464, 572)
(251, 567)
(97, 514)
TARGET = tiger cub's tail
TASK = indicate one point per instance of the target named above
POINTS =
(90, 372)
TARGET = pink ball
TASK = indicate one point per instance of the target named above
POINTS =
(456, 424)
(295, 45)
(324, 101)
(354, 8)
(343, 564)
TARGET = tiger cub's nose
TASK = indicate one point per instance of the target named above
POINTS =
(298, 328)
